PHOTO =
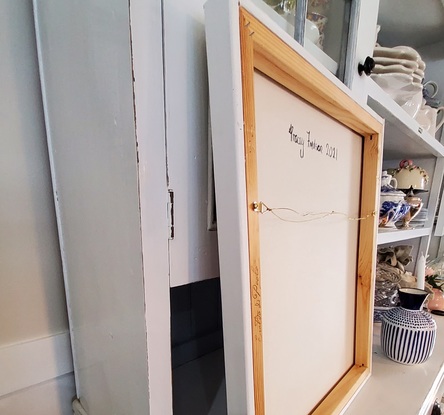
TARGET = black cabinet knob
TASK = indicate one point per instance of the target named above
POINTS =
(367, 67)
(436, 409)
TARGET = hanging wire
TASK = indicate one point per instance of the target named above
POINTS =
(262, 208)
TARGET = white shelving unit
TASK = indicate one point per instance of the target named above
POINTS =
(405, 139)
(394, 388)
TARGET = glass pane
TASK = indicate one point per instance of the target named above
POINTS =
(327, 25)
(284, 13)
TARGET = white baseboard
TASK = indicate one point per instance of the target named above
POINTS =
(53, 397)
(27, 364)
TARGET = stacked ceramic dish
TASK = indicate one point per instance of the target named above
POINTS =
(399, 71)
(420, 219)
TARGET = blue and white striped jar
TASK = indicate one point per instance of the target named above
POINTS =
(408, 334)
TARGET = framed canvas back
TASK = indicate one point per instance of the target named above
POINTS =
(296, 164)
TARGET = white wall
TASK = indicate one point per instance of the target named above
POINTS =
(87, 79)
(32, 301)
(31, 294)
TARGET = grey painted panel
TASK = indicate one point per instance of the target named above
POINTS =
(194, 255)
(87, 81)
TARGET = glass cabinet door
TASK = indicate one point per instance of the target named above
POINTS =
(327, 28)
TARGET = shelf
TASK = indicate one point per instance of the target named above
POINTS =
(386, 236)
(405, 138)
(394, 388)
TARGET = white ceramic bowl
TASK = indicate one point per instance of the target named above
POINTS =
(402, 89)
(417, 79)
(392, 81)
(409, 64)
(392, 69)
(413, 105)
(403, 55)
(398, 52)
(420, 73)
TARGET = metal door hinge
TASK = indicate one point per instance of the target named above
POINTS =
(170, 210)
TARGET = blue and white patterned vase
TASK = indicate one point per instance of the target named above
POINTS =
(408, 333)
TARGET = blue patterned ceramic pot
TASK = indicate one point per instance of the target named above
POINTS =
(393, 206)
(391, 212)
(408, 334)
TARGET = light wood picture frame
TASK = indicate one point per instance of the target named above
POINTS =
(267, 60)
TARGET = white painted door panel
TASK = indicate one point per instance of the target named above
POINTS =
(193, 251)
(147, 47)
